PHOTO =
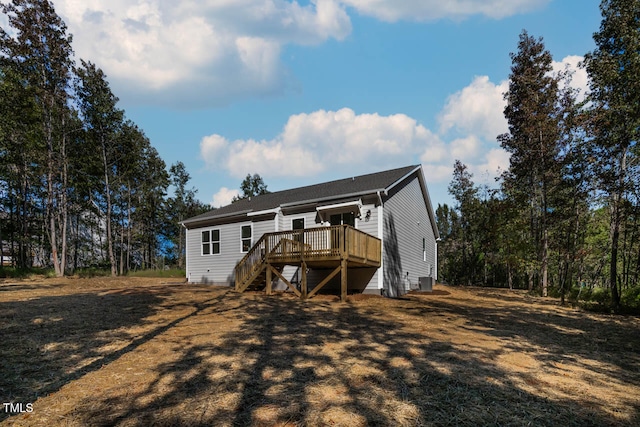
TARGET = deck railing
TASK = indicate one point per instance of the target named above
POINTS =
(362, 246)
(310, 244)
(251, 262)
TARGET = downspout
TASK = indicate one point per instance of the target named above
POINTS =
(186, 253)
(381, 237)
(435, 272)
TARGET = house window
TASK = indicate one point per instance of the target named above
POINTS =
(245, 236)
(210, 242)
(347, 218)
(424, 249)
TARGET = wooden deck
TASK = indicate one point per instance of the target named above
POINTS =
(338, 247)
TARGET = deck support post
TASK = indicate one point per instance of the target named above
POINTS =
(286, 282)
(343, 280)
(269, 280)
(324, 281)
(303, 285)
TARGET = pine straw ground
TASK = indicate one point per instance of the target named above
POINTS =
(138, 352)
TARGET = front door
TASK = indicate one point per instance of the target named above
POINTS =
(341, 219)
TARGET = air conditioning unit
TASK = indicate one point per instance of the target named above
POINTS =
(426, 283)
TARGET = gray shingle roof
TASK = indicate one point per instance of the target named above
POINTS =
(362, 184)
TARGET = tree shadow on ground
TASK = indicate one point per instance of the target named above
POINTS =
(279, 361)
(14, 287)
(562, 336)
(50, 341)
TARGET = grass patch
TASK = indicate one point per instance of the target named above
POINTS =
(172, 273)
(23, 273)
(89, 272)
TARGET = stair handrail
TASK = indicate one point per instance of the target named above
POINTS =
(252, 260)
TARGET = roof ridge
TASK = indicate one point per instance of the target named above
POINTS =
(338, 180)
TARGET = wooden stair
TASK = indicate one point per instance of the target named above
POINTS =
(260, 281)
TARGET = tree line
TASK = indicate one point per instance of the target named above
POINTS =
(566, 215)
(80, 184)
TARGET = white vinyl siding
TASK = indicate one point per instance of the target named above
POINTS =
(409, 239)
(219, 269)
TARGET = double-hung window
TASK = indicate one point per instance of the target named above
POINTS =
(245, 236)
(424, 249)
(210, 242)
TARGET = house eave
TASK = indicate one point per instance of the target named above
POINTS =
(203, 221)
(265, 212)
(311, 202)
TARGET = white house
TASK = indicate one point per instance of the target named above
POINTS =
(373, 233)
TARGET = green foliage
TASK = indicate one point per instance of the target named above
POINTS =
(613, 68)
(80, 185)
(631, 298)
(251, 186)
(181, 206)
(568, 209)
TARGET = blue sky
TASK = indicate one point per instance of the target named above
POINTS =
(310, 91)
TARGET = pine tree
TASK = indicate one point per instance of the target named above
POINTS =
(41, 53)
(102, 120)
(465, 193)
(614, 71)
(533, 140)
(180, 207)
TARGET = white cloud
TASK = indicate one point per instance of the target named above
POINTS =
(465, 149)
(427, 10)
(437, 174)
(579, 76)
(344, 143)
(223, 197)
(494, 162)
(325, 140)
(478, 108)
(210, 52)
(211, 148)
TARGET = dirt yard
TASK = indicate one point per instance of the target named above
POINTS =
(139, 352)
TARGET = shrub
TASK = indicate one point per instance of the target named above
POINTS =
(630, 298)
(50, 274)
(601, 295)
